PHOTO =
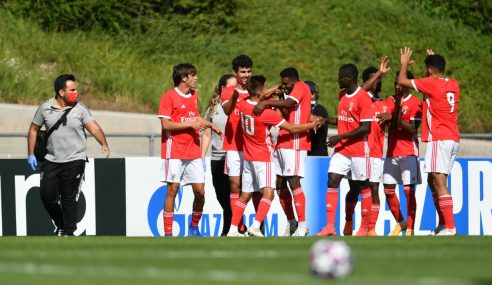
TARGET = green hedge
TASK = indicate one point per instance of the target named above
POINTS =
(129, 71)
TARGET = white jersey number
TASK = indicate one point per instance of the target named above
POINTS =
(248, 124)
(451, 102)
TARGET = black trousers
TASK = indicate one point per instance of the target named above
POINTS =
(60, 184)
(223, 191)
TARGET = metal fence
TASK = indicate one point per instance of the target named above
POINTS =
(152, 136)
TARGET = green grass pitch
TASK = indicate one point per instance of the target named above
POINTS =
(125, 260)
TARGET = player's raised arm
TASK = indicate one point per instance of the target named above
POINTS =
(405, 59)
(383, 69)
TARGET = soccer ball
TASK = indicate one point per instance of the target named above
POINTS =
(330, 259)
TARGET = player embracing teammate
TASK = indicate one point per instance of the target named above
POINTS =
(259, 171)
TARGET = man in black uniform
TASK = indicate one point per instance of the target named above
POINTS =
(318, 139)
(64, 163)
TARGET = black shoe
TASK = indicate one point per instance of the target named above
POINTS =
(57, 231)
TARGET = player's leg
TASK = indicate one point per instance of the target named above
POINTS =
(374, 180)
(339, 166)
(366, 204)
(171, 172)
(284, 164)
(264, 174)
(194, 174)
(168, 215)
(410, 173)
(263, 208)
(242, 200)
(300, 204)
(238, 211)
(351, 200)
(411, 207)
(374, 212)
(223, 192)
(360, 168)
(435, 199)
(439, 159)
(233, 168)
(285, 199)
(445, 202)
(392, 175)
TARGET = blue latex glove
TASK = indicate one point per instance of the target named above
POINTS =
(31, 159)
(204, 163)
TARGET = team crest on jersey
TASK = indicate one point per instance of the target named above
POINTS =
(183, 106)
(351, 105)
(385, 108)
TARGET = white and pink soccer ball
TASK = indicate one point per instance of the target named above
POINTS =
(331, 259)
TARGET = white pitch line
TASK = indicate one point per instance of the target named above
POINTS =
(182, 254)
(149, 272)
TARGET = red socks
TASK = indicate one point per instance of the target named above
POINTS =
(331, 205)
(286, 202)
(374, 216)
(446, 206)
(394, 204)
(263, 209)
(300, 203)
(438, 208)
(237, 212)
(234, 197)
(366, 204)
(195, 218)
(411, 206)
(168, 223)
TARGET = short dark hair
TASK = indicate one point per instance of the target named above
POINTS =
(241, 60)
(366, 74)
(313, 87)
(290, 72)
(61, 82)
(435, 61)
(182, 70)
(255, 84)
(349, 69)
(409, 74)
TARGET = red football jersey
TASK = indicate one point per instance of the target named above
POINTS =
(179, 107)
(376, 136)
(233, 134)
(352, 110)
(258, 144)
(440, 108)
(300, 113)
(400, 142)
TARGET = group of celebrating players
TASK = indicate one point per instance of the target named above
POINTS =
(256, 167)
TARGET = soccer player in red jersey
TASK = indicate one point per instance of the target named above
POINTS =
(370, 204)
(180, 147)
(439, 129)
(355, 113)
(242, 66)
(402, 157)
(259, 171)
(291, 149)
